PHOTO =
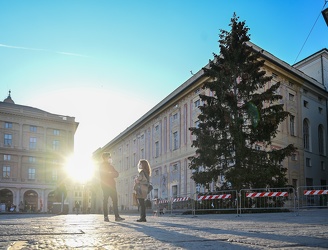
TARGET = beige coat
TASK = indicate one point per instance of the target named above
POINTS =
(141, 185)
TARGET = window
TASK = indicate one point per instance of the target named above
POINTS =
(56, 132)
(134, 159)
(175, 167)
(8, 125)
(156, 149)
(308, 162)
(306, 104)
(8, 140)
(175, 116)
(257, 147)
(155, 193)
(6, 157)
(31, 159)
(306, 135)
(6, 171)
(31, 173)
(142, 153)
(156, 128)
(54, 175)
(309, 182)
(55, 145)
(323, 166)
(156, 172)
(175, 141)
(32, 142)
(175, 191)
(294, 157)
(291, 97)
(197, 124)
(320, 110)
(127, 165)
(197, 103)
(321, 140)
(292, 125)
(33, 129)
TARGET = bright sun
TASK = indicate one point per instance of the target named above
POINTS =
(79, 168)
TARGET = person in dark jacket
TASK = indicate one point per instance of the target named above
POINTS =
(108, 184)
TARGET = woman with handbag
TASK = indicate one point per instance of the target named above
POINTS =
(141, 187)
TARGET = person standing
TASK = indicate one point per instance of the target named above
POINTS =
(77, 207)
(108, 184)
(141, 187)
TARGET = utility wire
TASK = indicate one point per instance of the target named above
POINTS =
(310, 31)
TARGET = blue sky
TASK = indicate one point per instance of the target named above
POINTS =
(93, 59)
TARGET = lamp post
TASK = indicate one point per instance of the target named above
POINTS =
(325, 15)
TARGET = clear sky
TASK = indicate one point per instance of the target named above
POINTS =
(108, 62)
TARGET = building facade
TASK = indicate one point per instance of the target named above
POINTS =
(162, 135)
(34, 145)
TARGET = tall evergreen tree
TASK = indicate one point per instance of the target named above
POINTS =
(239, 115)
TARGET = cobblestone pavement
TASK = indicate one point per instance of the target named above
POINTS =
(308, 230)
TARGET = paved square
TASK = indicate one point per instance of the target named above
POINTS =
(308, 230)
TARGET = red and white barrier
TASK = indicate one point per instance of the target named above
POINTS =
(267, 194)
(214, 197)
(180, 199)
(162, 201)
(315, 192)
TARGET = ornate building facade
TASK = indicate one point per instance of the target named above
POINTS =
(162, 135)
(34, 145)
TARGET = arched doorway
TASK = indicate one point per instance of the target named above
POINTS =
(30, 201)
(6, 200)
(51, 200)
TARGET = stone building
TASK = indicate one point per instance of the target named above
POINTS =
(34, 145)
(162, 135)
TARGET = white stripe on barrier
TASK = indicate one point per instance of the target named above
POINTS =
(214, 197)
(180, 199)
(315, 192)
(267, 194)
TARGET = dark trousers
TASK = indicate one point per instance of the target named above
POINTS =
(142, 208)
(109, 191)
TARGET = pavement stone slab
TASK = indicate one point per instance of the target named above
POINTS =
(304, 230)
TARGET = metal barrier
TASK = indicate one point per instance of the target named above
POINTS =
(312, 196)
(250, 200)
(161, 206)
(274, 199)
(218, 201)
(183, 204)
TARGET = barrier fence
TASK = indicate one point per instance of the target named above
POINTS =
(312, 196)
(218, 201)
(267, 199)
(245, 201)
(181, 204)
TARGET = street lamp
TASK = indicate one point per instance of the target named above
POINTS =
(325, 15)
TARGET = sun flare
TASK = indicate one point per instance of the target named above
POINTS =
(79, 168)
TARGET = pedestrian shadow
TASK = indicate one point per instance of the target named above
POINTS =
(160, 232)
(179, 234)
(301, 240)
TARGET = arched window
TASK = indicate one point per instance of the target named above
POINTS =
(306, 134)
(321, 140)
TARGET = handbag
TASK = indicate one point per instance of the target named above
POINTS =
(135, 200)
